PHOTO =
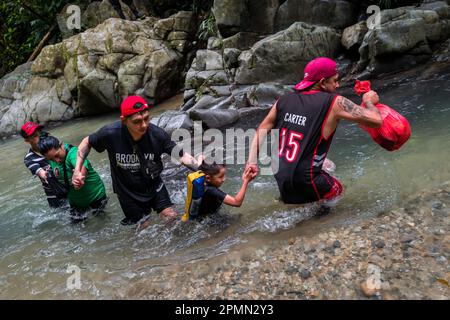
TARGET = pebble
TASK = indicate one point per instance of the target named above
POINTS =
(378, 244)
(387, 296)
(367, 290)
(291, 269)
(305, 273)
(407, 238)
(436, 205)
(347, 275)
(409, 251)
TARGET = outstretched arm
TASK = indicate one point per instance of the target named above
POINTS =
(78, 174)
(266, 125)
(237, 200)
(369, 116)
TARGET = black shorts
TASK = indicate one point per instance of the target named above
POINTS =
(323, 187)
(135, 210)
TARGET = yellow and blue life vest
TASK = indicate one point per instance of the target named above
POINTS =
(195, 192)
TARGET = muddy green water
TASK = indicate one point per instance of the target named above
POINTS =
(38, 244)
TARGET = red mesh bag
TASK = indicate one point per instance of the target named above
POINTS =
(394, 131)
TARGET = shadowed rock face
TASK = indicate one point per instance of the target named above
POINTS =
(335, 14)
(269, 16)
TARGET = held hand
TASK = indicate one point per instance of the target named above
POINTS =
(78, 179)
(247, 175)
(43, 175)
(200, 159)
(254, 169)
(371, 96)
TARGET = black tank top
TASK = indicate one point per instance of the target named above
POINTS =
(302, 149)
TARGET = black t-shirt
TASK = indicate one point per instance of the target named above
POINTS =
(211, 201)
(127, 177)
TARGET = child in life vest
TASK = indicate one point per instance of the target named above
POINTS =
(213, 197)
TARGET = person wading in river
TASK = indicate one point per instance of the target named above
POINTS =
(307, 119)
(134, 149)
(39, 166)
(92, 196)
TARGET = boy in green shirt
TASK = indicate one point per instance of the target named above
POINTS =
(63, 158)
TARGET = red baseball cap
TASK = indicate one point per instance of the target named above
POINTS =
(29, 128)
(132, 105)
(315, 70)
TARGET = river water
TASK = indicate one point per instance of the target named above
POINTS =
(38, 244)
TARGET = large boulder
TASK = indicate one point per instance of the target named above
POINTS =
(97, 93)
(173, 120)
(97, 12)
(215, 118)
(241, 40)
(118, 58)
(262, 15)
(403, 39)
(442, 8)
(27, 98)
(206, 70)
(91, 72)
(336, 14)
(353, 36)
(283, 56)
(233, 16)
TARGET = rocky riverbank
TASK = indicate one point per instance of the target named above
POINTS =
(400, 254)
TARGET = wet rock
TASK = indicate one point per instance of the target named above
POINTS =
(215, 118)
(173, 120)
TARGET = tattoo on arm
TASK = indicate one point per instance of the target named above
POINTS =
(352, 108)
(83, 152)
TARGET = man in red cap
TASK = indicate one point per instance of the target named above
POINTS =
(37, 164)
(134, 147)
(307, 119)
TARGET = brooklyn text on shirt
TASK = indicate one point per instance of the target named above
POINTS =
(130, 161)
